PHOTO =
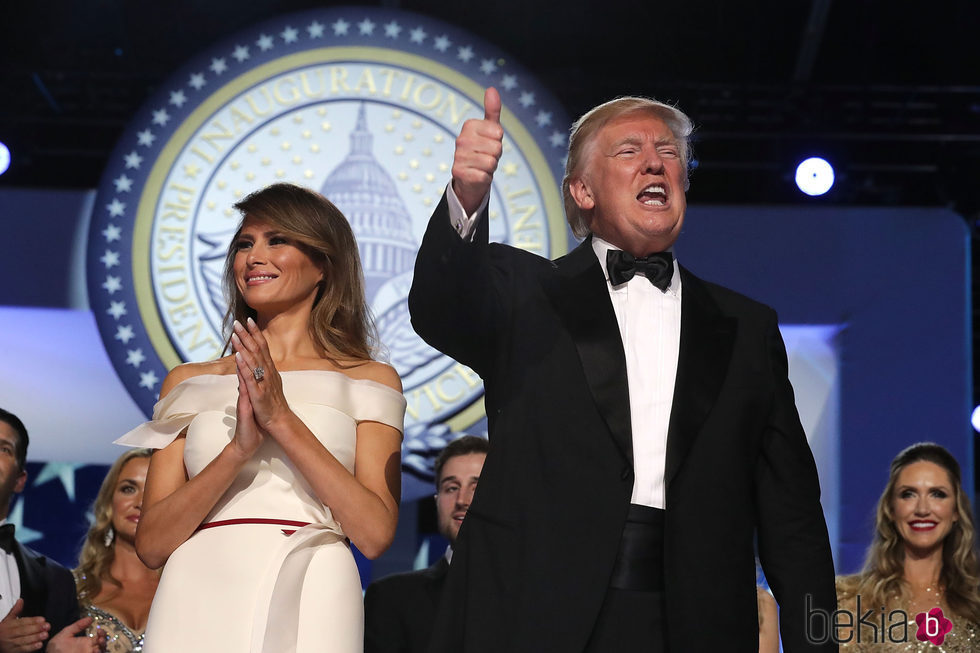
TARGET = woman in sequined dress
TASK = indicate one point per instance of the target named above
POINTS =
(114, 587)
(923, 557)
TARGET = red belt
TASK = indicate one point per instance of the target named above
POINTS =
(257, 520)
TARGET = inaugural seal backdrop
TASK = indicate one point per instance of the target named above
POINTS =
(360, 104)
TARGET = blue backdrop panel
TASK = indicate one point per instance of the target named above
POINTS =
(896, 283)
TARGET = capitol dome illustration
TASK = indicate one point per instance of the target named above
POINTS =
(364, 191)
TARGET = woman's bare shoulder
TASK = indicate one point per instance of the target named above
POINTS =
(374, 371)
(186, 371)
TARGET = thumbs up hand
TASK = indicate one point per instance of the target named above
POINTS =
(478, 150)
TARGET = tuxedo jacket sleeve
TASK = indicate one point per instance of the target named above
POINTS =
(47, 588)
(534, 556)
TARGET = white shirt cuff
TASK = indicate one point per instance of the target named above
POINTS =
(464, 225)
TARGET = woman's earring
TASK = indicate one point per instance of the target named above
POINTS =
(110, 534)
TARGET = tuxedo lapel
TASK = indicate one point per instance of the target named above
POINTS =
(32, 586)
(579, 295)
(707, 339)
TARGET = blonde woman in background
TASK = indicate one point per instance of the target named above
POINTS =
(923, 557)
(114, 587)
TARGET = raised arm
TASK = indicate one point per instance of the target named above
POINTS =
(173, 506)
(365, 502)
(452, 299)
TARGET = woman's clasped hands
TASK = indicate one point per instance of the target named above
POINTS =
(260, 398)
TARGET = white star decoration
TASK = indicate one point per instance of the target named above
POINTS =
(218, 66)
(110, 258)
(340, 27)
(265, 42)
(487, 66)
(124, 333)
(315, 30)
(464, 54)
(134, 160)
(177, 98)
(509, 82)
(123, 184)
(116, 309)
(289, 35)
(366, 27)
(115, 208)
(543, 118)
(527, 99)
(392, 30)
(417, 35)
(240, 54)
(135, 357)
(161, 117)
(25, 535)
(422, 557)
(197, 81)
(557, 139)
(111, 233)
(65, 472)
(442, 43)
(145, 138)
(148, 380)
(112, 284)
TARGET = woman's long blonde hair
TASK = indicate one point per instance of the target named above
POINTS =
(95, 558)
(340, 325)
(882, 579)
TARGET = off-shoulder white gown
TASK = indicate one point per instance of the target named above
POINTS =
(276, 586)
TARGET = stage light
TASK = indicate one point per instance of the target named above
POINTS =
(975, 419)
(814, 176)
(4, 158)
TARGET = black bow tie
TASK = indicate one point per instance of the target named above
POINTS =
(657, 268)
(7, 538)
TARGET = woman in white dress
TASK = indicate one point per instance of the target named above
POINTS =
(273, 461)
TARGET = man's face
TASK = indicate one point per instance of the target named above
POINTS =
(631, 189)
(455, 491)
(12, 477)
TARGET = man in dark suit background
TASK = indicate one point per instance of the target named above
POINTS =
(399, 609)
(644, 435)
(45, 605)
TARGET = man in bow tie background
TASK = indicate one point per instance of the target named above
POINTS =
(644, 435)
(37, 595)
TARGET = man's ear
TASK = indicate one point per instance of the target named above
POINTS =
(581, 193)
(21, 482)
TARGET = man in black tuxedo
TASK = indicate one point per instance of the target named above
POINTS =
(47, 604)
(644, 435)
(399, 609)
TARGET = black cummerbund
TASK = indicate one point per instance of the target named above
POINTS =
(640, 561)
